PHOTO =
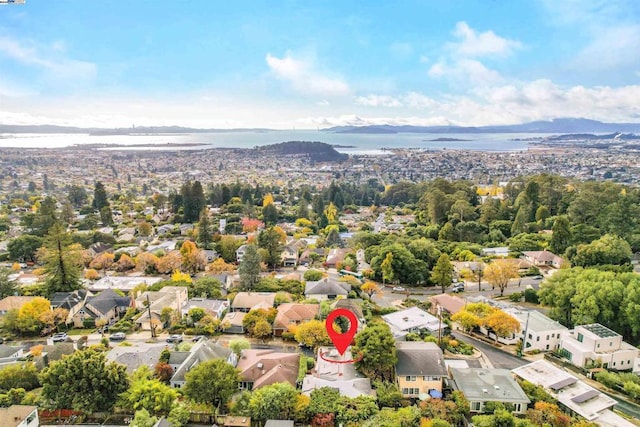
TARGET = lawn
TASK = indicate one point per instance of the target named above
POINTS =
(80, 331)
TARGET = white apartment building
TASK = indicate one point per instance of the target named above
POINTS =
(595, 345)
(537, 331)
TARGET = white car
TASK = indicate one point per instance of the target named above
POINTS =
(398, 289)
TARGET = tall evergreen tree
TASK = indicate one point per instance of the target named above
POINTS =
(205, 236)
(442, 274)
(249, 268)
(63, 264)
(100, 199)
(269, 240)
(561, 237)
(45, 217)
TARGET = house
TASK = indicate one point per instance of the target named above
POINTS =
(165, 229)
(232, 322)
(135, 356)
(353, 305)
(107, 305)
(13, 303)
(122, 283)
(151, 304)
(210, 255)
(240, 253)
(542, 333)
(420, 369)
(446, 303)
(307, 259)
(165, 246)
(259, 368)
(289, 256)
(326, 289)
(544, 259)
(202, 351)
(70, 301)
(214, 307)
(332, 371)
(247, 301)
(185, 229)
(99, 248)
(293, 314)
(481, 385)
(413, 320)
(595, 345)
(572, 394)
(500, 251)
(225, 278)
(19, 416)
(9, 355)
(336, 256)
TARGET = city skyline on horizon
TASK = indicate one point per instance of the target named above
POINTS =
(295, 65)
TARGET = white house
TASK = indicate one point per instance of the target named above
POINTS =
(542, 333)
(594, 345)
(412, 320)
(481, 385)
(20, 416)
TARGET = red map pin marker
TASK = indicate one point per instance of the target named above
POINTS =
(341, 341)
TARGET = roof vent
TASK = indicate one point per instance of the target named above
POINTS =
(260, 365)
(484, 390)
(406, 319)
(497, 387)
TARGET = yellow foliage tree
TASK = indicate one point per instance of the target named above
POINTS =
(15, 266)
(219, 266)
(179, 276)
(283, 236)
(125, 263)
(371, 289)
(500, 271)
(331, 212)
(170, 262)
(503, 324)
(191, 257)
(102, 261)
(268, 199)
(312, 334)
(91, 274)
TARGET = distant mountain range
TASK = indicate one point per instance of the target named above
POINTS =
(552, 126)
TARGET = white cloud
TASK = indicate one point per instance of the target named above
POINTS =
(377, 101)
(464, 71)
(304, 78)
(475, 44)
(48, 59)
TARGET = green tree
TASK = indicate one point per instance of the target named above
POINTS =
(269, 240)
(442, 273)
(19, 376)
(62, 262)
(151, 394)
(24, 248)
(354, 411)
(193, 200)
(213, 382)
(238, 344)
(90, 383)
(205, 236)
(143, 418)
(249, 268)
(387, 268)
(7, 287)
(276, 401)
(270, 215)
(261, 330)
(227, 247)
(77, 196)
(100, 199)
(377, 346)
(45, 217)
(106, 216)
(312, 275)
(561, 237)
(608, 249)
(324, 400)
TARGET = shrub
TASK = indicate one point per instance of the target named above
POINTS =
(531, 295)
(515, 297)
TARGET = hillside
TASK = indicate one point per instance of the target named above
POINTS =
(315, 150)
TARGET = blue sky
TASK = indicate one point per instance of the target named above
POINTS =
(307, 64)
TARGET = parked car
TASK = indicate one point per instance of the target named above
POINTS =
(175, 339)
(59, 337)
(197, 338)
(118, 336)
(398, 289)
(458, 287)
(538, 277)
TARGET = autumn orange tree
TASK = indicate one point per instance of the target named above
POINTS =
(502, 324)
(371, 289)
(500, 271)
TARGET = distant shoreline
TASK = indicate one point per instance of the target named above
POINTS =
(445, 140)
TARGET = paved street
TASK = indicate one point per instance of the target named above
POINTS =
(498, 358)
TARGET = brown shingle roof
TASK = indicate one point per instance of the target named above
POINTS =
(291, 313)
(265, 367)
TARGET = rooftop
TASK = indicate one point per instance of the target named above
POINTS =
(488, 385)
(600, 331)
(420, 358)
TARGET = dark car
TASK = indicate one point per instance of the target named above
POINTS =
(118, 336)
(175, 339)
(197, 338)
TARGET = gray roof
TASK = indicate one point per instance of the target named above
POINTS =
(420, 358)
(327, 287)
(67, 300)
(279, 423)
(178, 357)
(133, 357)
(107, 300)
(201, 352)
(488, 385)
